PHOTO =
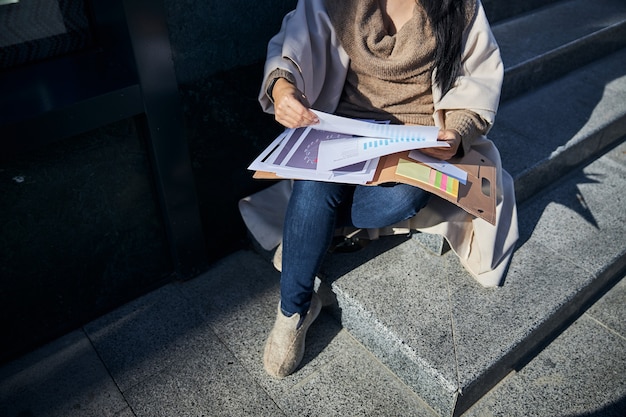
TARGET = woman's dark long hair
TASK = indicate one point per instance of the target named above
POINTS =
(448, 19)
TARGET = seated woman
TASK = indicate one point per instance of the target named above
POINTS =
(424, 62)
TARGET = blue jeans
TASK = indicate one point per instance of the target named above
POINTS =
(315, 210)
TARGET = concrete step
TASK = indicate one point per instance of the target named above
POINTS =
(546, 43)
(544, 134)
(425, 318)
(498, 10)
(543, 45)
(451, 340)
(580, 373)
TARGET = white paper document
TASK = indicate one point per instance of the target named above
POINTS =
(339, 149)
(294, 154)
(341, 152)
(332, 123)
(368, 140)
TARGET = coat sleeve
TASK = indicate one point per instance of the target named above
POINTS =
(482, 73)
(307, 47)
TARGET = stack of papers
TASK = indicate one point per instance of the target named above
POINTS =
(339, 149)
(372, 153)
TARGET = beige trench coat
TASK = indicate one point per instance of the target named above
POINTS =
(307, 47)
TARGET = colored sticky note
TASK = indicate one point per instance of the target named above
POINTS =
(427, 175)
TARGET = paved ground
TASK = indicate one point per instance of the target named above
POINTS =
(194, 349)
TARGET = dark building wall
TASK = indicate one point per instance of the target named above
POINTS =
(81, 230)
(79, 234)
(218, 50)
(212, 36)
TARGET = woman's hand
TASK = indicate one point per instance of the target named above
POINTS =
(445, 153)
(291, 107)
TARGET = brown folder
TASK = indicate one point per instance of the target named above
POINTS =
(477, 196)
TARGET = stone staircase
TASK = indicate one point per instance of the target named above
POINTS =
(564, 105)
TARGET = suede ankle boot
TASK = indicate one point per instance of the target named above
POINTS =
(284, 348)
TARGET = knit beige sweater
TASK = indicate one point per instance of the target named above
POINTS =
(389, 76)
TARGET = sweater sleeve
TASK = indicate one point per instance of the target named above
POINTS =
(468, 124)
(478, 86)
(273, 77)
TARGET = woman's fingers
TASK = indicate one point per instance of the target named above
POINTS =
(291, 106)
(291, 112)
(452, 138)
(439, 153)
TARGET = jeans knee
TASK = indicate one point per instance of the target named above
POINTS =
(316, 195)
(388, 205)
